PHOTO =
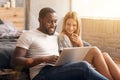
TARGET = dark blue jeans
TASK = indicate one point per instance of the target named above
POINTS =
(73, 71)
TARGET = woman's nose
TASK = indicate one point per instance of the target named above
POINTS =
(71, 27)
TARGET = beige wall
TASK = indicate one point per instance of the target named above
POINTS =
(97, 8)
(104, 33)
(61, 7)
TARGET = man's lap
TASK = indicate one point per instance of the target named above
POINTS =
(75, 71)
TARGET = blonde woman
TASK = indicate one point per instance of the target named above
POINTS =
(71, 37)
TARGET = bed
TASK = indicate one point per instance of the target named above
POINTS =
(8, 38)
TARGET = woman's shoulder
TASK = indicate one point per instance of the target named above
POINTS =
(63, 36)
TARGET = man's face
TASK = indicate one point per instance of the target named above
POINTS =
(49, 23)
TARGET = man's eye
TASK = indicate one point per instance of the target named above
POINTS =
(49, 22)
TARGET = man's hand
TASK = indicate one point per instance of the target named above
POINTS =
(50, 59)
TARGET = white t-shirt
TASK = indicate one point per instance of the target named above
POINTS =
(38, 44)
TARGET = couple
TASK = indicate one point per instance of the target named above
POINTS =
(41, 48)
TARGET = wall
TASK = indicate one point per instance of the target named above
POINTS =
(19, 3)
(61, 7)
(97, 8)
(104, 33)
(3, 2)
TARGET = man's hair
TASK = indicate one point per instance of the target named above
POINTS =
(45, 11)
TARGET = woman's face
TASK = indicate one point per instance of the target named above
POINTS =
(70, 26)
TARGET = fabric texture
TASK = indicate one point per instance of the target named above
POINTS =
(74, 71)
(7, 47)
(5, 57)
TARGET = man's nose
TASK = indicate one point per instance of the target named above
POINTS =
(53, 24)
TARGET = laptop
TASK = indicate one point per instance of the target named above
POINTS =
(72, 55)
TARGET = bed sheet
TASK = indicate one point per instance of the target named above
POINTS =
(7, 47)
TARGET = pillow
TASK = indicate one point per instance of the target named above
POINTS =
(8, 29)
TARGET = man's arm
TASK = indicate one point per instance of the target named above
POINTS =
(19, 58)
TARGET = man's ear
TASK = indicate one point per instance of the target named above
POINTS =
(39, 19)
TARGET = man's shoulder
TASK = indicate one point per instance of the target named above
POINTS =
(29, 31)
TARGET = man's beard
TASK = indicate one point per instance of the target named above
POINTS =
(51, 33)
(47, 31)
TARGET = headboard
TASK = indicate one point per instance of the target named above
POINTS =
(104, 33)
(14, 15)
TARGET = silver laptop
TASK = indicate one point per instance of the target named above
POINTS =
(72, 55)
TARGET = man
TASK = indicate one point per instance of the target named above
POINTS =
(38, 49)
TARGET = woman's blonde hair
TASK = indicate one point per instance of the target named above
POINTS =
(73, 15)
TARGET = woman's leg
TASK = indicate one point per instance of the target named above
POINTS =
(95, 58)
(113, 68)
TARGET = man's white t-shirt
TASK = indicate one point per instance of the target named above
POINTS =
(38, 44)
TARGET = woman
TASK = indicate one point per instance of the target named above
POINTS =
(71, 37)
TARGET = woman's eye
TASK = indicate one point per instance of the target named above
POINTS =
(68, 25)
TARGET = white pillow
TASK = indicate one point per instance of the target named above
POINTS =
(8, 29)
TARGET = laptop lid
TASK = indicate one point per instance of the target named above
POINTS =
(72, 55)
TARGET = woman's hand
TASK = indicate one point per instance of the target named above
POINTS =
(76, 40)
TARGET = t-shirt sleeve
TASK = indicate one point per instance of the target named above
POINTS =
(64, 42)
(24, 41)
